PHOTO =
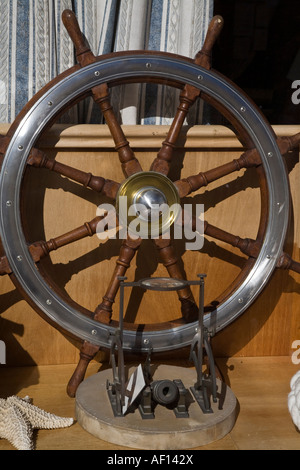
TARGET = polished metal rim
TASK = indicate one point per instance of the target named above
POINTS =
(31, 126)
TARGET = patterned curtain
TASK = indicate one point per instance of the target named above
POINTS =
(35, 47)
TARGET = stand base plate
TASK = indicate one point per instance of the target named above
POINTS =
(166, 432)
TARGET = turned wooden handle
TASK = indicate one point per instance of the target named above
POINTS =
(130, 165)
(187, 97)
(287, 262)
(87, 353)
(83, 51)
(203, 58)
(170, 261)
(128, 250)
(71, 24)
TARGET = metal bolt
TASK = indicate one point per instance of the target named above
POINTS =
(97, 73)
(270, 154)
(146, 341)
(200, 77)
(19, 258)
(94, 332)
(49, 302)
(20, 147)
(50, 103)
(148, 65)
(268, 256)
(243, 109)
(8, 203)
(241, 300)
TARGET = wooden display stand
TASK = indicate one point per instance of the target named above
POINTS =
(165, 432)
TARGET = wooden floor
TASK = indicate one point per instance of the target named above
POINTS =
(261, 386)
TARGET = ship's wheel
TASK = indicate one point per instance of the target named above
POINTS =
(96, 77)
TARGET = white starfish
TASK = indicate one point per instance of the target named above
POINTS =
(18, 419)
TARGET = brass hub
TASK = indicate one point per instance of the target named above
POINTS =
(148, 204)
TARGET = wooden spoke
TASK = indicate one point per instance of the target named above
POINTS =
(203, 57)
(286, 262)
(128, 250)
(246, 245)
(100, 93)
(83, 51)
(162, 162)
(103, 312)
(41, 249)
(87, 352)
(130, 164)
(38, 159)
(169, 259)
(248, 159)
(186, 186)
(188, 96)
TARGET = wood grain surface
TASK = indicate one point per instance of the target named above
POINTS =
(263, 421)
(54, 205)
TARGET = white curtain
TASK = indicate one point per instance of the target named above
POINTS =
(35, 48)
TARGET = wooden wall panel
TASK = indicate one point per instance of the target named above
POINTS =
(55, 205)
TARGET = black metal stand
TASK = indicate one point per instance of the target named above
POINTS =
(171, 394)
(116, 389)
(205, 385)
